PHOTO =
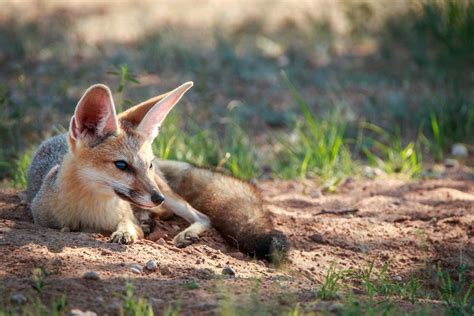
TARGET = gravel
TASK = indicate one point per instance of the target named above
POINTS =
(151, 265)
(18, 298)
(91, 275)
(228, 271)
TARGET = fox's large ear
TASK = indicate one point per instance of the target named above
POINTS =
(151, 115)
(95, 114)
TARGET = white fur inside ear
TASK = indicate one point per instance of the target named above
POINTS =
(154, 132)
(150, 124)
(95, 113)
(101, 126)
(72, 128)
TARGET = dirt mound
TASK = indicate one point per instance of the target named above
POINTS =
(404, 224)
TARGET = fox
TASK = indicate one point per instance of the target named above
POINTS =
(100, 174)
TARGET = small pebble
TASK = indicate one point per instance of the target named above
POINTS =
(151, 265)
(91, 275)
(318, 238)
(156, 301)
(459, 151)
(83, 236)
(135, 270)
(228, 271)
(397, 278)
(451, 163)
(137, 266)
(78, 312)
(237, 255)
(161, 241)
(99, 300)
(115, 308)
(371, 172)
(165, 271)
(335, 307)
(18, 298)
(56, 262)
(316, 194)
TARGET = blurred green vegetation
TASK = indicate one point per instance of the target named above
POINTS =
(449, 291)
(396, 95)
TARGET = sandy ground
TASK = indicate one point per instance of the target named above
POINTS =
(409, 225)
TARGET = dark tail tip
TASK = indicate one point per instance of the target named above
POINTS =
(272, 246)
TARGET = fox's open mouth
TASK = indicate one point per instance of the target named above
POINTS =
(125, 197)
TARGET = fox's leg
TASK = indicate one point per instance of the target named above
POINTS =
(176, 204)
(128, 231)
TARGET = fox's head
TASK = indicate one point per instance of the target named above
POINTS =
(113, 154)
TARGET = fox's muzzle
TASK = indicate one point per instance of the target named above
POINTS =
(139, 199)
(157, 198)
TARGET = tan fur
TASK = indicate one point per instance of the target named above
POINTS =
(80, 201)
(135, 114)
(87, 191)
(234, 207)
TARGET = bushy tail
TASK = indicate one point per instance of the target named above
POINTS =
(272, 246)
(234, 207)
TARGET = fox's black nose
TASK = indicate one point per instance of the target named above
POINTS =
(157, 198)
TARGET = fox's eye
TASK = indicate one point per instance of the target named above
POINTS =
(120, 164)
(151, 165)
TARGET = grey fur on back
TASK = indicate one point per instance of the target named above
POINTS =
(50, 153)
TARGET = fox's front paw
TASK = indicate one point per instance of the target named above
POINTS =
(123, 237)
(185, 238)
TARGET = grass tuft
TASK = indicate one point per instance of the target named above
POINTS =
(387, 152)
(133, 306)
(331, 283)
(233, 151)
(318, 147)
(457, 293)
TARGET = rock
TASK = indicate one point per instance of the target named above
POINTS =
(459, 151)
(161, 241)
(57, 262)
(451, 163)
(156, 301)
(228, 271)
(78, 312)
(136, 270)
(137, 266)
(18, 298)
(237, 255)
(397, 278)
(83, 236)
(335, 307)
(151, 265)
(316, 194)
(317, 238)
(165, 271)
(91, 275)
(371, 172)
(115, 308)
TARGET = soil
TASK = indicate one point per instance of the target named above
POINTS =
(409, 225)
